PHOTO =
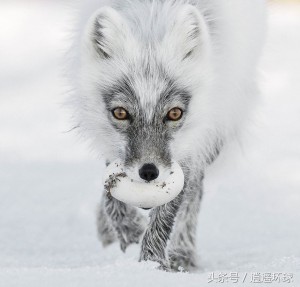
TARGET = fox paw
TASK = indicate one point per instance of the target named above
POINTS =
(164, 264)
(183, 261)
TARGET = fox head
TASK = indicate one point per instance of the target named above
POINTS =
(144, 77)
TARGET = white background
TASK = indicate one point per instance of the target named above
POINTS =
(50, 184)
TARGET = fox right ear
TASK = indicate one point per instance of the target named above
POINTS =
(188, 36)
(108, 32)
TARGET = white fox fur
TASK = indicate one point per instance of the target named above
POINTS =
(209, 47)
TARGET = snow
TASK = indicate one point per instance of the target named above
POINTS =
(50, 184)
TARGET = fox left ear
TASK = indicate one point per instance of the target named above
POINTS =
(189, 34)
(107, 33)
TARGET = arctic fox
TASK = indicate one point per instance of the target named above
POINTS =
(164, 80)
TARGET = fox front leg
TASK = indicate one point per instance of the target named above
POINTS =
(127, 222)
(182, 248)
(106, 232)
(158, 233)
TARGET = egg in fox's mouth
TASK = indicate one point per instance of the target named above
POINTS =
(146, 194)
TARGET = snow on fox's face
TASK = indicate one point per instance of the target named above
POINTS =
(137, 96)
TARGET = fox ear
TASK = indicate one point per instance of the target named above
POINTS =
(108, 32)
(189, 33)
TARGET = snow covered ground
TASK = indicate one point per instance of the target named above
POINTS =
(50, 184)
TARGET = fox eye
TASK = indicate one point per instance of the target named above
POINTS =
(120, 114)
(175, 114)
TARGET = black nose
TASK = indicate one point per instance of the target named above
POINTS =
(149, 172)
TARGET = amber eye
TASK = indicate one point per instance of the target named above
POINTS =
(120, 114)
(175, 114)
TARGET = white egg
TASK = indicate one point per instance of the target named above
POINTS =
(142, 194)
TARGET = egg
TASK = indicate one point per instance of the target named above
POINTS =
(142, 193)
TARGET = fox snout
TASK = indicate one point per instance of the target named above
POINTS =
(148, 172)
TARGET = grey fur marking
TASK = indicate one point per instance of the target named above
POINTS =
(106, 232)
(182, 249)
(158, 232)
(147, 140)
(125, 220)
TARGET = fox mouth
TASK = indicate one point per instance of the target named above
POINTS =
(146, 195)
